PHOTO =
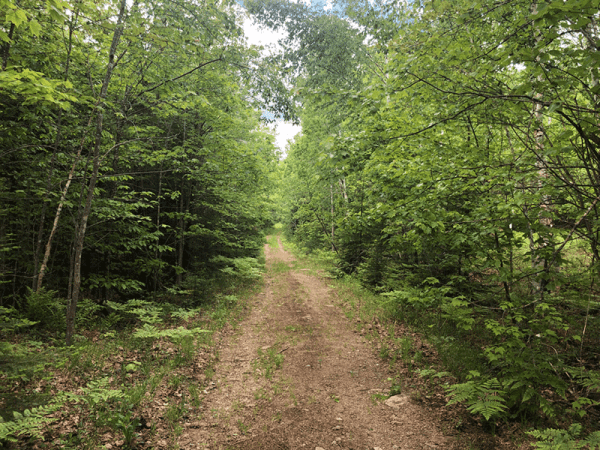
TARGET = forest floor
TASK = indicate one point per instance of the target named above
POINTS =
(299, 373)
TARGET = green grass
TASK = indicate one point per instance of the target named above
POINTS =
(280, 267)
(271, 239)
(268, 361)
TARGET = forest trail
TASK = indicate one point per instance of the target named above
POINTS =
(296, 375)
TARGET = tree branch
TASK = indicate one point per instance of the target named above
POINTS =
(220, 58)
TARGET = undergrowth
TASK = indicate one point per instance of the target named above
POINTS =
(126, 355)
(519, 362)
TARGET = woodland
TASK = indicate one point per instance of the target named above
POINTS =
(449, 160)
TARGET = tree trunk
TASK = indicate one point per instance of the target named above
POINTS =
(40, 234)
(181, 244)
(332, 219)
(61, 203)
(80, 237)
(37, 279)
(157, 252)
(538, 262)
(343, 189)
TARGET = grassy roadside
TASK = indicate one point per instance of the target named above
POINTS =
(135, 378)
(499, 378)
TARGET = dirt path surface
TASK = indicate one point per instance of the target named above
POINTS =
(295, 375)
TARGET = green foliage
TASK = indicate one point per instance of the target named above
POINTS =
(456, 181)
(31, 421)
(23, 362)
(565, 439)
(185, 314)
(173, 415)
(143, 310)
(395, 389)
(11, 321)
(457, 355)
(521, 357)
(28, 423)
(173, 175)
(45, 308)
(110, 401)
(413, 301)
(150, 332)
(268, 361)
(97, 395)
(243, 268)
(88, 313)
(432, 373)
(483, 397)
(113, 407)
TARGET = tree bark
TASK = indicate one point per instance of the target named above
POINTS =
(539, 264)
(61, 203)
(57, 142)
(332, 218)
(181, 244)
(6, 47)
(80, 237)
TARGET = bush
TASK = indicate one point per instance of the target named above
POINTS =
(243, 268)
(552, 439)
(45, 308)
(10, 320)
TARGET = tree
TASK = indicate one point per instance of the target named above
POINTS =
(155, 167)
(450, 157)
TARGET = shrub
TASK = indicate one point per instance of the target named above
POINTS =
(45, 308)
(552, 439)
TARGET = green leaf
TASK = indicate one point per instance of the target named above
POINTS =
(35, 27)
(16, 16)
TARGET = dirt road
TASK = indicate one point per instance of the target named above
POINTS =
(296, 375)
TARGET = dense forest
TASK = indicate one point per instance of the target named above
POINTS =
(132, 148)
(449, 159)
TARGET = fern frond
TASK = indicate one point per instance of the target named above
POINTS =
(31, 421)
(485, 398)
(552, 439)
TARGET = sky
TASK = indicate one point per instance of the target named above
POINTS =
(265, 37)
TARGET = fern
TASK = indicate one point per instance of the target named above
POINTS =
(143, 310)
(29, 423)
(96, 392)
(32, 421)
(429, 373)
(174, 334)
(552, 439)
(485, 398)
(588, 379)
(185, 314)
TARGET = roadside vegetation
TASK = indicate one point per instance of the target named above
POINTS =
(450, 164)
(438, 364)
(135, 376)
(134, 181)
